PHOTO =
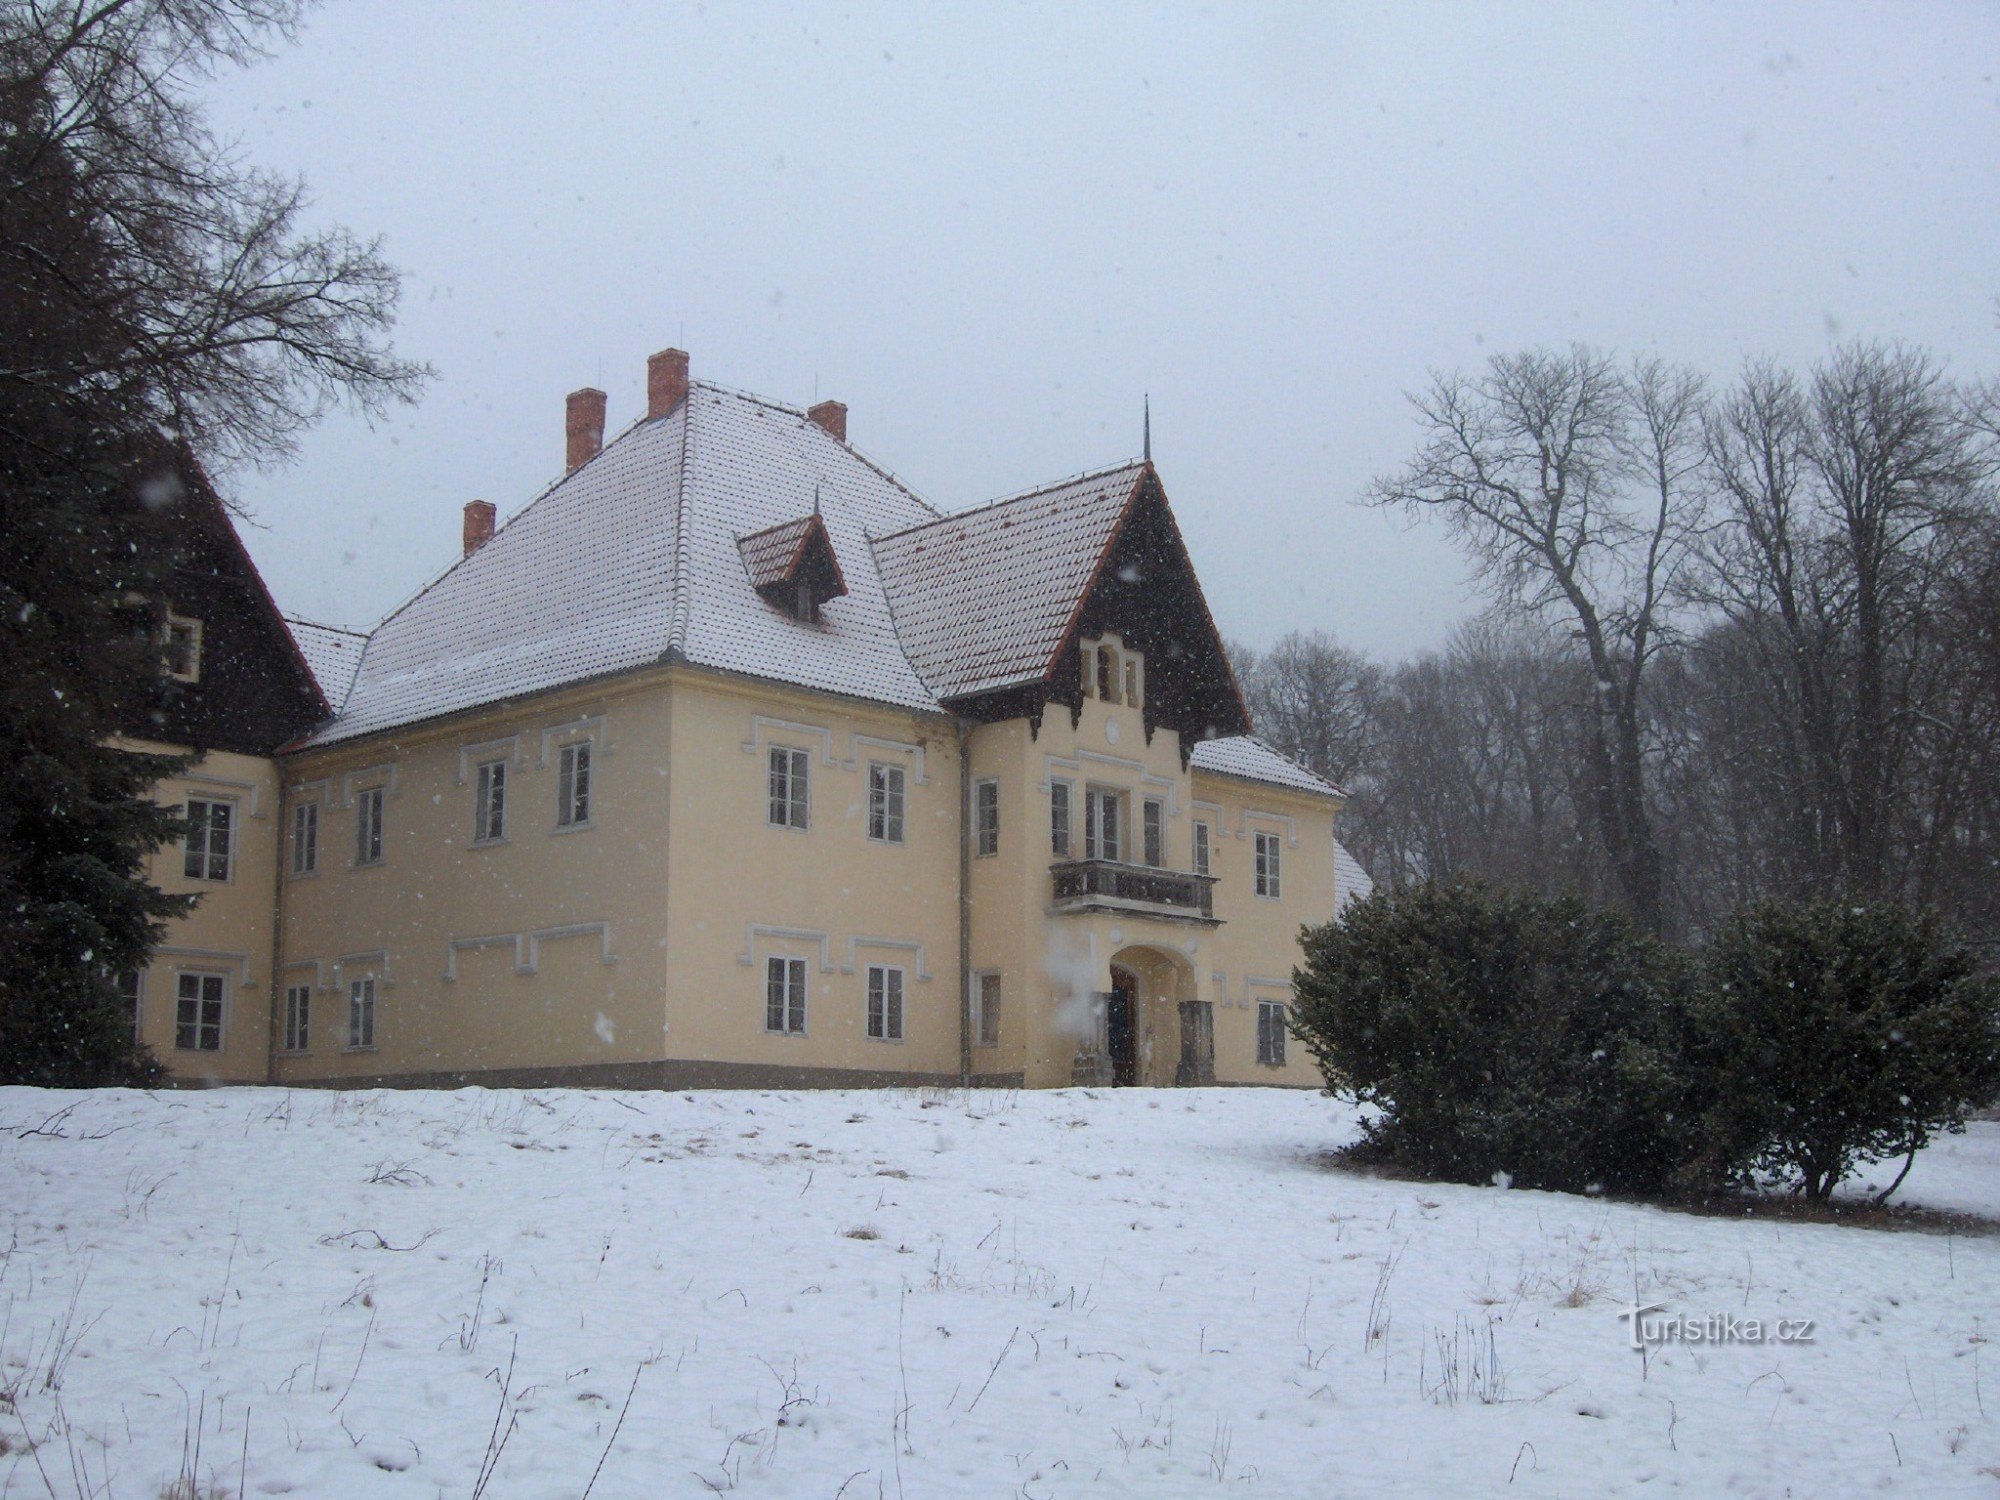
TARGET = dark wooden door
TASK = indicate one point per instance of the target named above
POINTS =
(1121, 1030)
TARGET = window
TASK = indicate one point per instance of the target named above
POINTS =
(207, 839)
(489, 803)
(1107, 674)
(1100, 824)
(1201, 837)
(1271, 1033)
(131, 994)
(1132, 681)
(885, 1003)
(885, 803)
(361, 1014)
(198, 1013)
(1059, 835)
(298, 1016)
(182, 639)
(573, 786)
(305, 838)
(788, 787)
(368, 827)
(785, 995)
(986, 1011)
(1267, 865)
(985, 818)
(1151, 814)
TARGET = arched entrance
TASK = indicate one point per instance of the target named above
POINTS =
(1155, 1030)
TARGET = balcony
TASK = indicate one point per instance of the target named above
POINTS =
(1086, 885)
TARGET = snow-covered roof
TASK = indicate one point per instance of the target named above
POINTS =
(656, 550)
(1350, 881)
(1033, 557)
(332, 653)
(632, 558)
(1247, 757)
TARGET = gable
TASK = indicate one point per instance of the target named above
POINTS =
(992, 603)
(1145, 590)
(985, 599)
(254, 691)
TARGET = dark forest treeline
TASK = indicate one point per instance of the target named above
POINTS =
(1743, 643)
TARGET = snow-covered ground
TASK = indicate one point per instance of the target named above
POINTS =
(926, 1294)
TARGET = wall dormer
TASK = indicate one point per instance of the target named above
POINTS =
(792, 566)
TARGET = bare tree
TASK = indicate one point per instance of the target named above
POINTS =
(1852, 528)
(222, 319)
(1574, 485)
(1312, 698)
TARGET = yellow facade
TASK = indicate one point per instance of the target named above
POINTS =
(637, 946)
(224, 948)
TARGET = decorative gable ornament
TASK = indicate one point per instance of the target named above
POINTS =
(792, 565)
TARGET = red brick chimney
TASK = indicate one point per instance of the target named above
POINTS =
(832, 415)
(584, 425)
(478, 525)
(666, 381)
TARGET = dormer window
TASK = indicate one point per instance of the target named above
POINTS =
(182, 639)
(1107, 674)
(792, 566)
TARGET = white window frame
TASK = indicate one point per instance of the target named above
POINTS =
(173, 622)
(988, 1008)
(361, 1013)
(1270, 866)
(206, 857)
(788, 783)
(1204, 847)
(305, 838)
(888, 802)
(369, 818)
(489, 802)
(785, 995)
(205, 980)
(136, 998)
(1104, 673)
(1062, 820)
(298, 1018)
(985, 817)
(1153, 833)
(885, 993)
(1095, 844)
(1271, 1032)
(575, 771)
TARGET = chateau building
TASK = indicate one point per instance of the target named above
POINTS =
(728, 760)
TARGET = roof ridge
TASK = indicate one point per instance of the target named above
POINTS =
(678, 593)
(881, 469)
(1028, 494)
(322, 625)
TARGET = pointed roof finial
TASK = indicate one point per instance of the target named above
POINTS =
(1148, 450)
(815, 499)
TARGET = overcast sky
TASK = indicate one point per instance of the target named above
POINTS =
(990, 231)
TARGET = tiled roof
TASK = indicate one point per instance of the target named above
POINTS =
(1350, 881)
(1032, 557)
(772, 554)
(633, 556)
(656, 548)
(332, 653)
(1249, 758)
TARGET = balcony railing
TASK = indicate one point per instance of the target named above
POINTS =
(1103, 885)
